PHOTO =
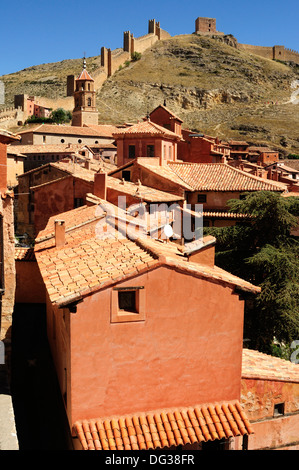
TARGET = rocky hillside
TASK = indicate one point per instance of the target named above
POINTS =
(213, 87)
(208, 82)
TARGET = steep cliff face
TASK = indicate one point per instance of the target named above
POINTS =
(212, 86)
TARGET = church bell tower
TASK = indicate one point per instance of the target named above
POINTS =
(85, 111)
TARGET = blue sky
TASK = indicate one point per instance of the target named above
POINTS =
(38, 31)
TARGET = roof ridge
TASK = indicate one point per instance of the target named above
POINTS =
(258, 178)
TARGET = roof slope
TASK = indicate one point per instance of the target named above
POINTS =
(66, 130)
(221, 177)
(145, 193)
(84, 75)
(146, 128)
(164, 428)
(96, 255)
(258, 365)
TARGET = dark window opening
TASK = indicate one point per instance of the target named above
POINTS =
(89, 102)
(131, 151)
(79, 141)
(221, 444)
(201, 198)
(78, 202)
(150, 151)
(279, 409)
(126, 175)
(62, 141)
(127, 301)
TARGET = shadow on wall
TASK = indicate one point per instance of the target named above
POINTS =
(40, 418)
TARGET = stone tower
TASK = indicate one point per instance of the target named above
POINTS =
(85, 111)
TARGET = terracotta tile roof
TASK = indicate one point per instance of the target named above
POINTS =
(172, 255)
(166, 173)
(173, 116)
(84, 75)
(24, 254)
(224, 215)
(238, 142)
(292, 163)
(14, 151)
(164, 428)
(63, 130)
(221, 177)
(51, 148)
(76, 169)
(283, 166)
(6, 136)
(73, 218)
(106, 130)
(88, 263)
(96, 255)
(262, 366)
(254, 148)
(146, 128)
(145, 193)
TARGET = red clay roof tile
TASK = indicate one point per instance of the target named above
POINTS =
(262, 366)
(221, 177)
(146, 128)
(164, 428)
(88, 262)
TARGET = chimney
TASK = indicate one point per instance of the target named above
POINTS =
(100, 185)
(223, 159)
(87, 164)
(59, 233)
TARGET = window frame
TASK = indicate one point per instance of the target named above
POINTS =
(119, 315)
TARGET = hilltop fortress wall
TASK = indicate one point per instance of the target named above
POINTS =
(272, 53)
(111, 61)
(207, 27)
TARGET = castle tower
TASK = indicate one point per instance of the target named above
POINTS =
(85, 111)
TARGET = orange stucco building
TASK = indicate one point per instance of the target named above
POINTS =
(128, 343)
(145, 139)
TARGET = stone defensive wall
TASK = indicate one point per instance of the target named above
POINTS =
(10, 116)
(112, 60)
(272, 53)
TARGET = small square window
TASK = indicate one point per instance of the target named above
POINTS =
(128, 304)
(201, 198)
(278, 409)
(127, 301)
(126, 175)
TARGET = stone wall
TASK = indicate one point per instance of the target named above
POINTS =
(275, 52)
(112, 60)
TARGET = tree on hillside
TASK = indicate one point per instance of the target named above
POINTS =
(60, 116)
(263, 251)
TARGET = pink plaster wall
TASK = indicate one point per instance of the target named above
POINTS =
(184, 353)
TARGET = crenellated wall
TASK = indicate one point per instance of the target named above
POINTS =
(112, 60)
(272, 53)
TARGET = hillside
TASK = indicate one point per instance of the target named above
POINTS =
(212, 86)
